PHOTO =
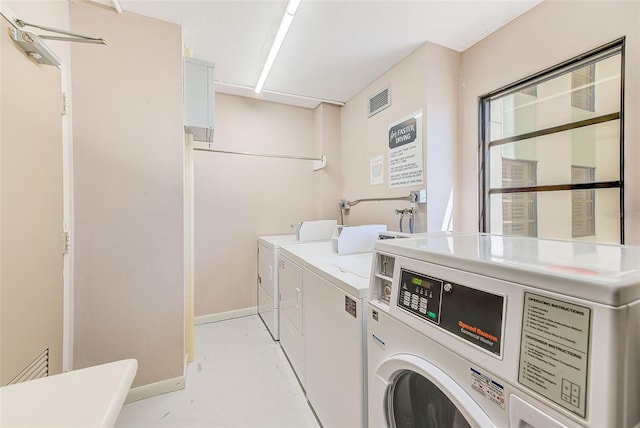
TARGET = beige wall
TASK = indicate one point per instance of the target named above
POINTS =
(552, 32)
(238, 198)
(426, 80)
(129, 168)
(31, 282)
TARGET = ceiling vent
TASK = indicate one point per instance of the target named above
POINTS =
(379, 101)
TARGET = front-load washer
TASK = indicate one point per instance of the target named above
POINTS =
(335, 296)
(482, 330)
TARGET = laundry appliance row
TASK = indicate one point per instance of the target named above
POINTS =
(322, 289)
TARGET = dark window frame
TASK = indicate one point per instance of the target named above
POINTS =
(484, 121)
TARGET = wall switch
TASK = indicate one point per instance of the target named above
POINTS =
(422, 196)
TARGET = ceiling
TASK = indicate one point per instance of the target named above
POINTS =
(334, 48)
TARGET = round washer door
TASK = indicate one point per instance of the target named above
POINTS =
(419, 394)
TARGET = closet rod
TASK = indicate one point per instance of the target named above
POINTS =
(264, 155)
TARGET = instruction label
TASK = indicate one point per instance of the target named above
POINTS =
(554, 351)
(405, 151)
(487, 387)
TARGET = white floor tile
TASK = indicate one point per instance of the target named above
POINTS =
(239, 378)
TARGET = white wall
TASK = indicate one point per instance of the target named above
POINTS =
(551, 33)
(238, 198)
(427, 81)
(129, 167)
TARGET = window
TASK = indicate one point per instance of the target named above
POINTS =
(551, 152)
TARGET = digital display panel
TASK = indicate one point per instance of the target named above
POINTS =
(420, 295)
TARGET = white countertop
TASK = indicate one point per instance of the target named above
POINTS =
(90, 397)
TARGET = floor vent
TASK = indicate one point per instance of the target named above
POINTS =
(38, 368)
(379, 101)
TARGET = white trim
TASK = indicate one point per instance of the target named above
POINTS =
(68, 227)
(205, 319)
(157, 388)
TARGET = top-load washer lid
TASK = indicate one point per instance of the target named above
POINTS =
(607, 274)
(350, 273)
(275, 241)
(304, 251)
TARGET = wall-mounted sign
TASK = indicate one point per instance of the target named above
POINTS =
(376, 170)
(405, 151)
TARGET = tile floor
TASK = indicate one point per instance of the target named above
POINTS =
(239, 378)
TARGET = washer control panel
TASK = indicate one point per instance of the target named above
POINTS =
(471, 314)
(421, 295)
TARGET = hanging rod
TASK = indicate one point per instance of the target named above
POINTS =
(74, 37)
(319, 162)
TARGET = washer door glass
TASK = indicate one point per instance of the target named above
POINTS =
(414, 401)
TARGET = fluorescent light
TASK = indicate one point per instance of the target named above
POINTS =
(287, 18)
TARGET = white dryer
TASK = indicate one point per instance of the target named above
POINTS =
(268, 286)
(268, 258)
(290, 273)
(482, 330)
(335, 297)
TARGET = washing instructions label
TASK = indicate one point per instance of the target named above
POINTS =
(488, 387)
(554, 350)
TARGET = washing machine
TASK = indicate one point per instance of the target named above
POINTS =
(481, 330)
(335, 297)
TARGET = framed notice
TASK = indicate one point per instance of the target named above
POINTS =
(405, 151)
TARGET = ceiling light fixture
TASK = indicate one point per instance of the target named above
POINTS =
(287, 18)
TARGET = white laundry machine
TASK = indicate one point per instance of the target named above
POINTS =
(290, 269)
(268, 290)
(335, 296)
(268, 256)
(482, 330)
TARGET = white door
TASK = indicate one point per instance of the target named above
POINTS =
(31, 284)
(411, 392)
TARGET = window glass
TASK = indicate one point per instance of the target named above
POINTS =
(551, 152)
(554, 155)
(558, 215)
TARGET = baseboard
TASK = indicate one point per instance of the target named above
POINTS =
(157, 388)
(162, 387)
(205, 319)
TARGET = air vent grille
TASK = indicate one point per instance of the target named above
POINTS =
(38, 368)
(379, 101)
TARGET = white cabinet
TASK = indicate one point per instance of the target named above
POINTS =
(199, 91)
(291, 328)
